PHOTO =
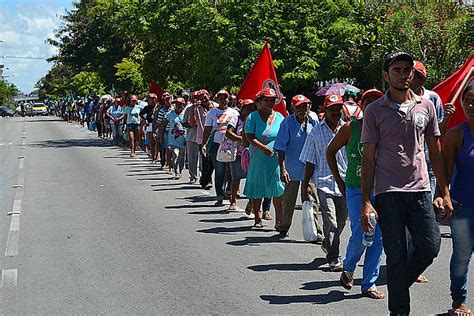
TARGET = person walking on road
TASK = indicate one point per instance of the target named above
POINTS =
(263, 177)
(289, 142)
(332, 201)
(116, 115)
(458, 151)
(348, 136)
(235, 132)
(174, 130)
(192, 147)
(393, 134)
(132, 118)
(146, 115)
(198, 117)
(214, 130)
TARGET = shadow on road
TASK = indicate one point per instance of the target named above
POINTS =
(331, 297)
(218, 212)
(251, 241)
(185, 187)
(65, 143)
(229, 230)
(225, 220)
(191, 206)
(313, 265)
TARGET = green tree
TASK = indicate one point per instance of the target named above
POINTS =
(7, 90)
(85, 83)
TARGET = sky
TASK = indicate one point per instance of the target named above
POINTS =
(25, 25)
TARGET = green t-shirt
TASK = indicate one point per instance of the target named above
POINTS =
(354, 156)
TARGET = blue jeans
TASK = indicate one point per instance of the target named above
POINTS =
(355, 248)
(219, 172)
(462, 232)
(399, 211)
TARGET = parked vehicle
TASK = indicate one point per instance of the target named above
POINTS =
(6, 111)
(39, 108)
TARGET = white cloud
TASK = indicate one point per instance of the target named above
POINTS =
(25, 28)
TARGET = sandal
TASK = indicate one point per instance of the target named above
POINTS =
(421, 279)
(233, 208)
(460, 312)
(266, 216)
(258, 224)
(374, 294)
(347, 279)
(219, 203)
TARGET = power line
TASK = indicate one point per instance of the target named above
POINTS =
(23, 57)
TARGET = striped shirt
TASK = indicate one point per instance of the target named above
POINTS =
(314, 151)
(160, 113)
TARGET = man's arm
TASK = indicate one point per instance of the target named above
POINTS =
(339, 141)
(308, 173)
(367, 182)
(439, 168)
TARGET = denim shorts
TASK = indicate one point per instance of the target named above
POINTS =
(236, 170)
(133, 127)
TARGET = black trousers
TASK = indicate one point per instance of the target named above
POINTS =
(399, 212)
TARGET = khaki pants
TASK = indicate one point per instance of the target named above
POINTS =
(288, 206)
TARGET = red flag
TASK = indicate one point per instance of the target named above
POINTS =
(448, 88)
(262, 75)
(156, 89)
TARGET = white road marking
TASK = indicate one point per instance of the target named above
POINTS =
(10, 143)
(20, 166)
(13, 237)
(1, 144)
(24, 142)
(9, 277)
(15, 186)
(16, 206)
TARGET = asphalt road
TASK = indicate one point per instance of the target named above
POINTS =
(95, 232)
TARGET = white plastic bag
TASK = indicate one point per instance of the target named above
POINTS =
(309, 227)
(227, 151)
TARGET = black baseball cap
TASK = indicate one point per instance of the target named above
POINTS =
(390, 58)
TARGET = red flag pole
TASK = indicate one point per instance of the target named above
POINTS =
(463, 84)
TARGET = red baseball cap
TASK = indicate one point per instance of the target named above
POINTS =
(180, 100)
(247, 102)
(200, 92)
(222, 91)
(133, 98)
(371, 93)
(266, 93)
(332, 99)
(152, 96)
(299, 99)
(166, 95)
(420, 68)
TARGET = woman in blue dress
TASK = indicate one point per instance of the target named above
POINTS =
(263, 177)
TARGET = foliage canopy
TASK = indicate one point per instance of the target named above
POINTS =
(212, 44)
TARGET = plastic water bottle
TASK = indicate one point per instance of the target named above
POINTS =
(368, 238)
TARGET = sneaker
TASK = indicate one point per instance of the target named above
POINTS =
(335, 266)
(192, 181)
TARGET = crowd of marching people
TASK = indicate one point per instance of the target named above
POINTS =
(374, 158)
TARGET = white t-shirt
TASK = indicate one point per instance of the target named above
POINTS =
(218, 120)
